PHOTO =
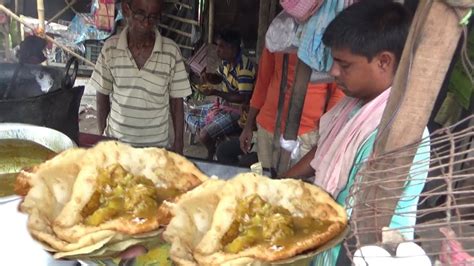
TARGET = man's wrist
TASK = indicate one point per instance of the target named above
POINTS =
(249, 126)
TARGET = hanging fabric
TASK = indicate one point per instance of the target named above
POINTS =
(312, 51)
(301, 9)
(104, 14)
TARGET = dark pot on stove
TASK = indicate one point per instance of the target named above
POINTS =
(42, 96)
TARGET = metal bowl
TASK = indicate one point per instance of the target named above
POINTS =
(49, 138)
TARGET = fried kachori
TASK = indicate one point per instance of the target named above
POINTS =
(83, 200)
(251, 219)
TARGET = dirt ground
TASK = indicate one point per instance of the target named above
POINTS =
(88, 121)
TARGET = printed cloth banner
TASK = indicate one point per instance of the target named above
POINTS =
(301, 9)
(104, 14)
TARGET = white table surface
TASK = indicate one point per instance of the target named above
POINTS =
(17, 247)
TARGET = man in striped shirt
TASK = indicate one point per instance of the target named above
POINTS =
(139, 77)
(237, 75)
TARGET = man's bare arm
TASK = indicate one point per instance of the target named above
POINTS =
(103, 110)
(177, 114)
(302, 169)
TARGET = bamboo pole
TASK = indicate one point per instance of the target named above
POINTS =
(210, 36)
(17, 18)
(184, 20)
(175, 30)
(263, 18)
(295, 111)
(276, 147)
(41, 24)
(178, 3)
(185, 46)
(40, 6)
(18, 10)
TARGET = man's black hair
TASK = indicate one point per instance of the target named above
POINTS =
(369, 27)
(231, 37)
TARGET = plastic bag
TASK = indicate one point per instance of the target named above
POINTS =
(83, 28)
(283, 34)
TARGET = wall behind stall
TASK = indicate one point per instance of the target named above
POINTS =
(240, 15)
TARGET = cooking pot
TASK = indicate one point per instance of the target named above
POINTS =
(42, 96)
(47, 137)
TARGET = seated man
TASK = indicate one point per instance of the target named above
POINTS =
(366, 42)
(237, 73)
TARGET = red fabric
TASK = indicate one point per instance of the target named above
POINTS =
(104, 16)
(267, 88)
(301, 9)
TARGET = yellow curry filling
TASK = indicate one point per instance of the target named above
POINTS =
(257, 222)
(121, 194)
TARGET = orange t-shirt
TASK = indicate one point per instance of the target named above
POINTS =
(267, 92)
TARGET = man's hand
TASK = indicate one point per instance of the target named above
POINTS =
(247, 134)
(246, 139)
(132, 252)
(177, 113)
(302, 169)
(208, 92)
(103, 110)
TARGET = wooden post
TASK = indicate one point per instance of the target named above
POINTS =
(276, 149)
(211, 22)
(266, 13)
(295, 110)
(263, 17)
(40, 6)
(272, 12)
(425, 61)
(18, 10)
